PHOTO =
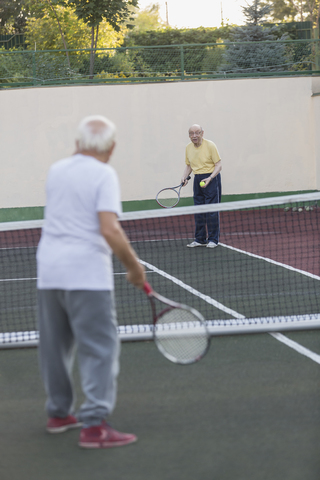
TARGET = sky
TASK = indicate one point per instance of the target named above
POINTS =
(199, 13)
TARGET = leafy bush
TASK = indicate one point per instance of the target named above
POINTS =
(176, 36)
(15, 66)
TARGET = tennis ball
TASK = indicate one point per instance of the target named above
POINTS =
(202, 184)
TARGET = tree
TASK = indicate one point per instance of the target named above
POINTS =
(244, 57)
(46, 32)
(13, 16)
(93, 12)
(44, 10)
(148, 19)
(294, 10)
(281, 10)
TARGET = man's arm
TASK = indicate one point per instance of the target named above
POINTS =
(186, 173)
(115, 236)
(216, 171)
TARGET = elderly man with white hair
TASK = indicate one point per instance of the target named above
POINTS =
(75, 286)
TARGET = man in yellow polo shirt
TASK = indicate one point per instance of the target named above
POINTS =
(203, 159)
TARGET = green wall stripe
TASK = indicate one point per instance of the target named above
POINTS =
(20, 214)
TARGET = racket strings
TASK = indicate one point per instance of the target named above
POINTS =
(181, 336)
(168, 197)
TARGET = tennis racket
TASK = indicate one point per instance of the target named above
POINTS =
(169, 197)
(180, 332)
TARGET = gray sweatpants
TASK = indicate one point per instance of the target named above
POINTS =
(84, 321)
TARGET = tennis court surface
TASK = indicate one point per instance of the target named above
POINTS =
(249, 410)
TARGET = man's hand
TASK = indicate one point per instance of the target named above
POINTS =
(217, 169)
(184, 181)
(136, 275)
(206, 181)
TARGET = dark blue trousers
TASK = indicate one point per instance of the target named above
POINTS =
(207, 224)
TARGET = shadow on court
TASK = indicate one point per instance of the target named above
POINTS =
(250, 410)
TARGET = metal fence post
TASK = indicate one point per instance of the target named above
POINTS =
(34, 71)
(182, 62)
(317, 49)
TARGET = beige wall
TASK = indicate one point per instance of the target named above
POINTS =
(266, 131)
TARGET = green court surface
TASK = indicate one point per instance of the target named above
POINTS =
(250, 410)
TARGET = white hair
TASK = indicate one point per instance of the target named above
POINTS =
(196, 125)
(96, 133)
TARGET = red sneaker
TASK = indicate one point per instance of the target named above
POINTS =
(59, 425)
(103, 436)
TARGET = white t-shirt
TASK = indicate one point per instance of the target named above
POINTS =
(72, 253)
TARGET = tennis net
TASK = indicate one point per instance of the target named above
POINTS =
(263, 276)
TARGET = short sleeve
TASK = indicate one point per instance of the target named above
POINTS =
(108, 196)
(215, 154)
(187, 159)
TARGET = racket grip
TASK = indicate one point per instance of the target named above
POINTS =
(147, 288)
(188, 178)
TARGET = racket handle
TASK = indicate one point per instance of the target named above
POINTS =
(188, 178)
(147, 288)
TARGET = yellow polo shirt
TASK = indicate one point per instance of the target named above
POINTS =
(202, 159)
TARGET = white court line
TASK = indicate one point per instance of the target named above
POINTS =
(296, 346)
(274, 262)
(278, 336)
(192, 290)
(16, 279)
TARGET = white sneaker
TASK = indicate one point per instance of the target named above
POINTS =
(212, 245)
(196, 244)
